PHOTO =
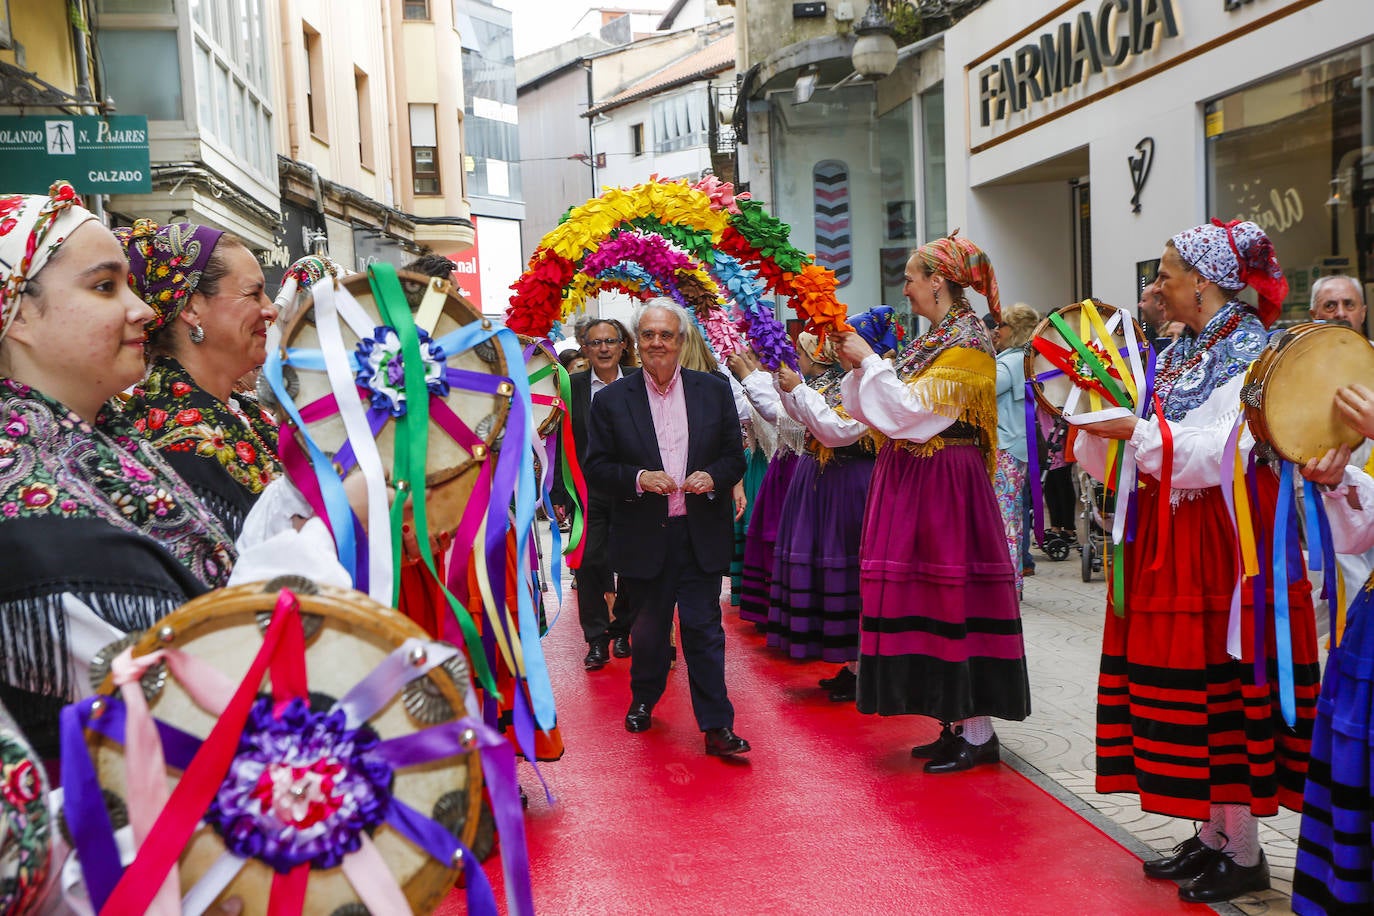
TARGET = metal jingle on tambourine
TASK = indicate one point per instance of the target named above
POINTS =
(153, 679)
(486, 351)
(1252, 395)
(310, 623)
(423, 700)
(451, 811)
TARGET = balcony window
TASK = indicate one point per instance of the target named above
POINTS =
(316, 109)
(366, 154)
(424, 150)
(637, 138)
(415, 9)
(129, 56)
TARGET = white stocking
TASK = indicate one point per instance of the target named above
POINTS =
(1213, 832)
(977, 730)
(1242, 835)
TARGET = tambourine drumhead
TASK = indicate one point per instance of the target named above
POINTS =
(346, 636)
(451, 469)
(547, 416)
(1052, 393)
(1290, 390)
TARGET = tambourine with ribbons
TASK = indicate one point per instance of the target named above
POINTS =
(1089, 361)
(329, 756)
(400, 377)
(550, 394)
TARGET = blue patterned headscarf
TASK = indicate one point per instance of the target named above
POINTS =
(879, 327)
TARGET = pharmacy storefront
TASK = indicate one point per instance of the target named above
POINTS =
(1081, 135)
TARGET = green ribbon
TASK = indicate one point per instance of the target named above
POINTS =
(1091, 360)
(564, 468)
(411, 452)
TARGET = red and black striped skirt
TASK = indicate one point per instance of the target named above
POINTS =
(1180, 722)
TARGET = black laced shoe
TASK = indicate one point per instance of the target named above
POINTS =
(1223, 879)
(1190, 859)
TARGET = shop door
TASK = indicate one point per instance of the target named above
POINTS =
(1082, 240)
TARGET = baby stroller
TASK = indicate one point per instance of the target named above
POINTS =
(1094, 523)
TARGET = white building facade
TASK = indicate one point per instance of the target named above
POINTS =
(1081, 135)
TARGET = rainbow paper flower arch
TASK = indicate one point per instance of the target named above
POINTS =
(714, 252)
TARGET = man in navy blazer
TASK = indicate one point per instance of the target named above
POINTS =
(665, 446)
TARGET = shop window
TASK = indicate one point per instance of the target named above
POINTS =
(366, 148)
(424, 150)
(129, 56)
(1288, 154)
(316, 108)
(415, 9)
(637, 138)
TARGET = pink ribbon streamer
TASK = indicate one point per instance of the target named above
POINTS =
(371, 877)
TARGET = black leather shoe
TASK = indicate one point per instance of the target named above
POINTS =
(937, 747)
(839, 679)
(620, 647)
(847, 692)
(1190, 859)
(598, 656)
(639, 718)
(959, 755)
(722, 742)
(1223, 879)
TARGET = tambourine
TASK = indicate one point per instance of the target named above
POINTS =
(541, 364)
(467, 417)
(339, 784)
(1290, 389)
(1059, 374)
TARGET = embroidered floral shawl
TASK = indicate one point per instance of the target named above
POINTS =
(827, 384)
(226, 460)
(1196, 365)
(953, 368)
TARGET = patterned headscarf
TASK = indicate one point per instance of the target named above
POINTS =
(165, 263)
(32, 227)
(960, 261)
(1235, 255)
(879, 327)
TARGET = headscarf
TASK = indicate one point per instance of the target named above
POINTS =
(32, 228)
(165, 263)
(1235, 255)
(821, 355)
(960, 261)
(879, 327)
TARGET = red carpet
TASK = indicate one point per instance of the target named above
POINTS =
(828, 815)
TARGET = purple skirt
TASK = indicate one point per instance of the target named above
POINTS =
(814, 611)
(941, 628)
(757, 575)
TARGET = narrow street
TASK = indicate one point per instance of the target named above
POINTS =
(829, 814)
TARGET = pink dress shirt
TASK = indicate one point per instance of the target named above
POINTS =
(669, 409)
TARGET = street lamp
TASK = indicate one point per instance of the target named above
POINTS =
(875, 52)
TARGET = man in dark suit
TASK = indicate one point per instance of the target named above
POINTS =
(606, 346)
(665, 445)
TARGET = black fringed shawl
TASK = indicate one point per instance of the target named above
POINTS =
(91, 512)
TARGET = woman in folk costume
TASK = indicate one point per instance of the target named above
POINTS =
(1013, 334)
(941, 628)
(1335, 867)
(1181, 723)
(100, 537)
(760, 538)
(759, 407)
(209, 329)
(814, 607)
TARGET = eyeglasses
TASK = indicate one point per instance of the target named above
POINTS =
(603, 342)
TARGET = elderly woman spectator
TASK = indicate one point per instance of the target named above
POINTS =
(100, 536)
(211, 313)
(1013, 334)
(1182, 724)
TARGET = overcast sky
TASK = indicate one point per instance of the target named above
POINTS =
(541, 24)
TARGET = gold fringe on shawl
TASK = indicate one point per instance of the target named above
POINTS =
(960, 384)
(871, 441)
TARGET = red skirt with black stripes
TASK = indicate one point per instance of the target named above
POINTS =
(1180, 722)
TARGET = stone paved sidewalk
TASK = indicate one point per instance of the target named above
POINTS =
(1063, 617)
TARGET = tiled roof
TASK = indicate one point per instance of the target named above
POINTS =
(717, 56)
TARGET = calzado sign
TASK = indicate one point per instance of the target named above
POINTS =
(98, 155)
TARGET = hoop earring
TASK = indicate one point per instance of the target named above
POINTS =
(197, 334)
